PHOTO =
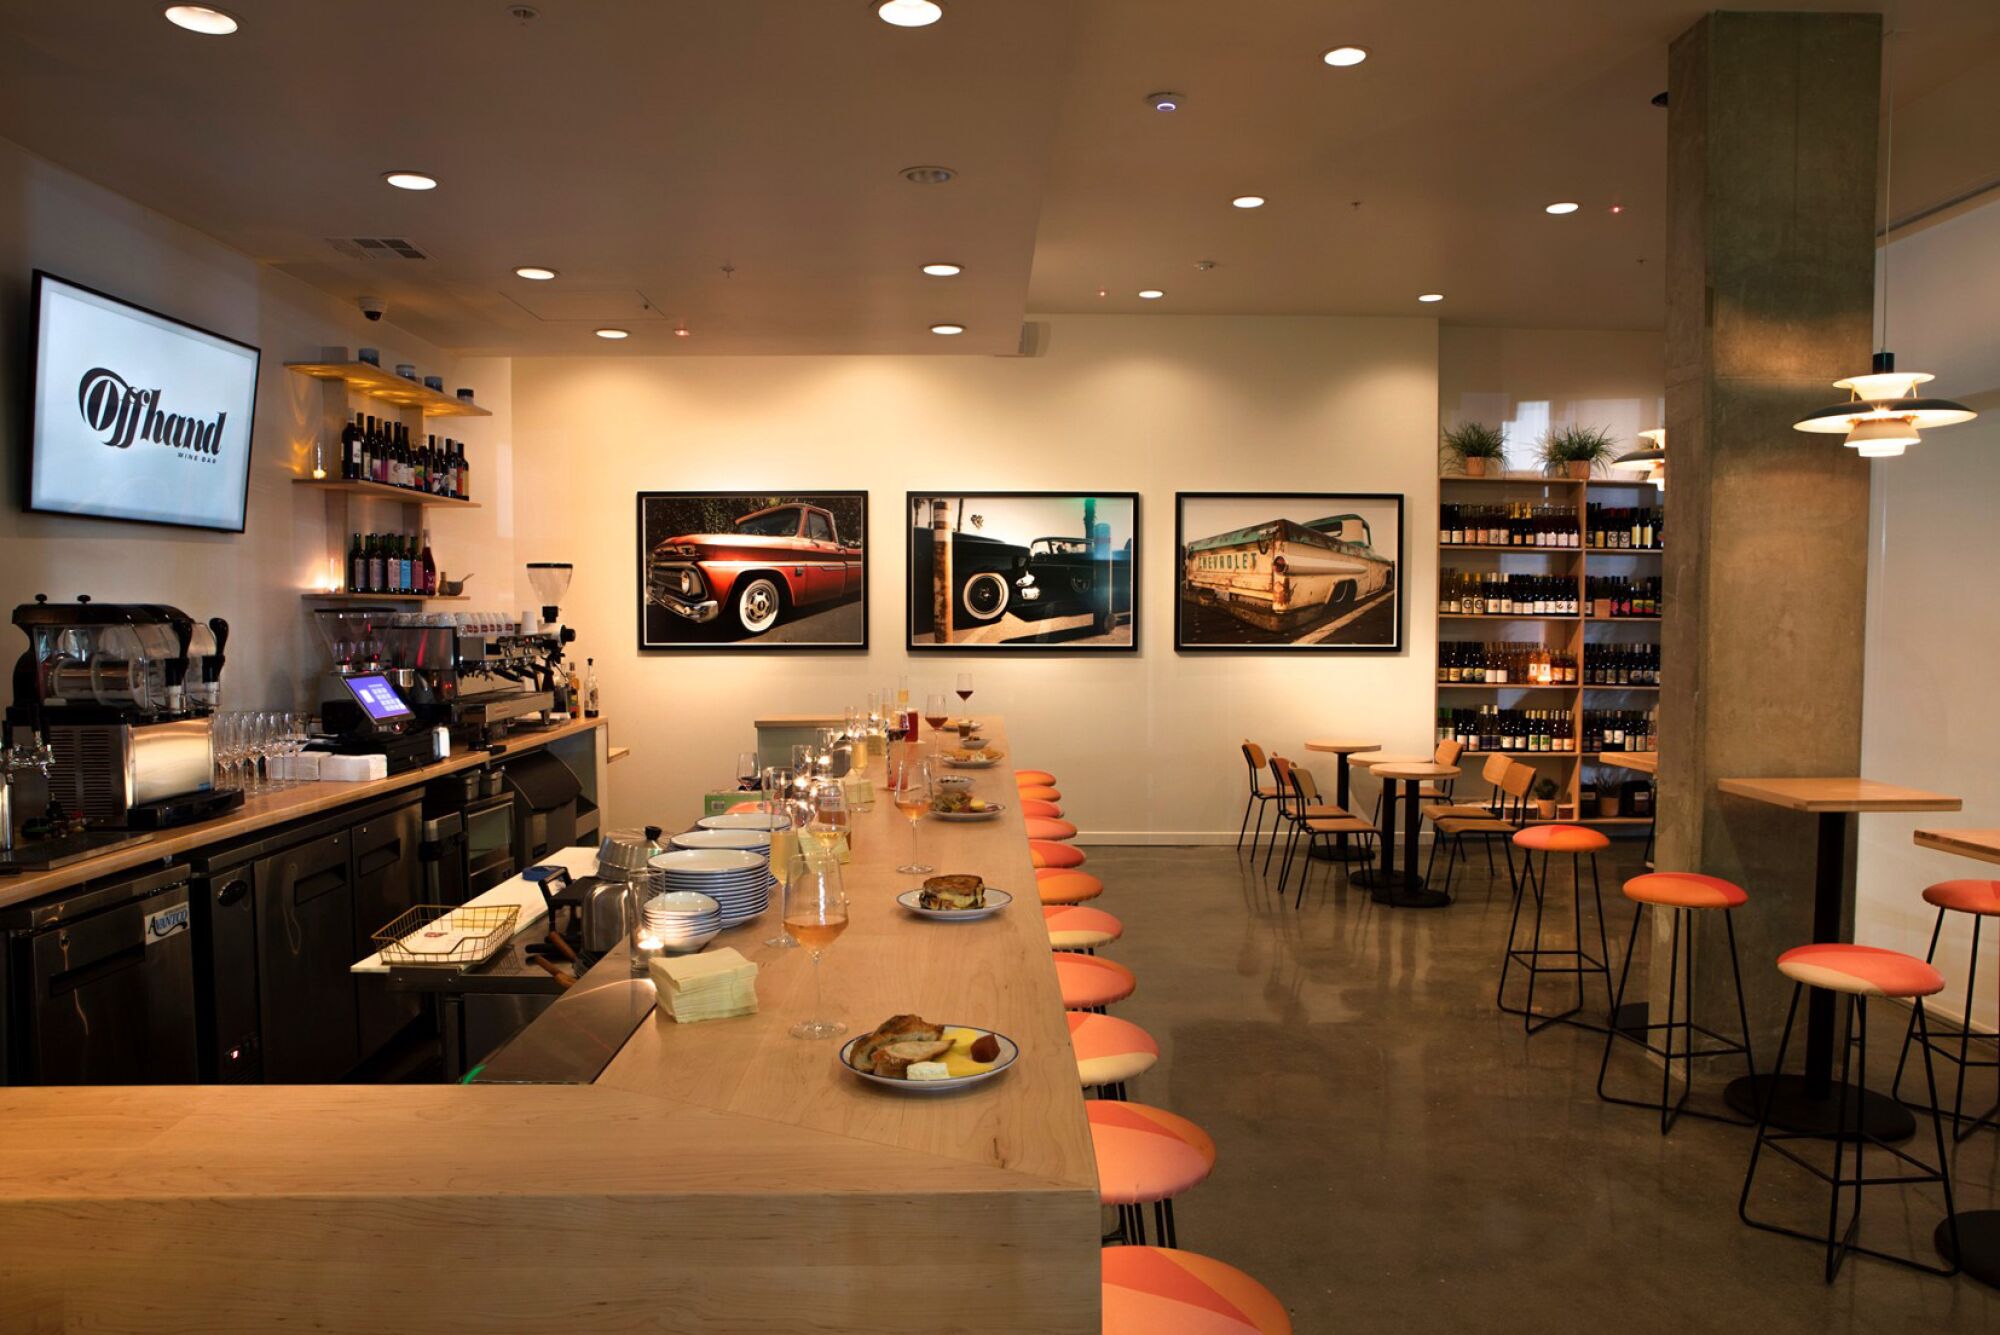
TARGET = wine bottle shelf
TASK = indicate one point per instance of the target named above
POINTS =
(386, 597)
(1509, 547)
(1504, 616)
(386, 492)
(1500, 686)
(389, 387)
(1513, 480)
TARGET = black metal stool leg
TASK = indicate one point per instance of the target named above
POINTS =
(1910, 1032)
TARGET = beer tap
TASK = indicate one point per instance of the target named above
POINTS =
(33, 757)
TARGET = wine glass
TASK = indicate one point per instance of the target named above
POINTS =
(784, 827)
(965, 686)
(936, 712)
(816, 913)
(910, 782)
(223, 732)
(746, 770)
(830, 816)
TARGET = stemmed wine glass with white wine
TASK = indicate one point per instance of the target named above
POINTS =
(910, 782)
(782, 822)
(816, 913)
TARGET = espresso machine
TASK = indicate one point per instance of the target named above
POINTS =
(122, 695)
(475, 674)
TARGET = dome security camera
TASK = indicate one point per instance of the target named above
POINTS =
(373, 307)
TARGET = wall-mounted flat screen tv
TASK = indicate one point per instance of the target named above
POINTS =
(136, 415)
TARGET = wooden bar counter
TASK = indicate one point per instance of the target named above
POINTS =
(721, 1176)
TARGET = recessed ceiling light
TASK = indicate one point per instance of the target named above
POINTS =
(535, 272)
(1248, 201)
(1431, 296)
(943, 270)
(1616, 208)
(928, 175)
(410, 180)
(614, 333)
(947, 329)
(1561, 206)
(1342, 57)
(682, 331)
(204, 19)
(1165, 101)
(909, 13)
(1150, 294)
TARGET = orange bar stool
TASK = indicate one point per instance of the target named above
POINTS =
(1074, 927)
(1046, 853)
(1684, 894)
(1091, 982)
(1038, 792)
(1051, 829)
(1145, 1156)
(1035, 807)
(1110, 1051)
(1578, 842)
(1034, 778)
(1061, 886)
(1980, 899)
(1857, 973)
(1165, 1291)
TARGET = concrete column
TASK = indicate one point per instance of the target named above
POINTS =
(1771, 205)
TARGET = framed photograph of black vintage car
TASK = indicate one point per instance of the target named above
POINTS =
(1288, 571)
(753, 570)
(1001, 571)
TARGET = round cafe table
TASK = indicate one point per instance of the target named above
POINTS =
(1407, 890)
(1341, 850)
(1370, 877)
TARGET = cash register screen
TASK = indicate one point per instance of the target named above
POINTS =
(378, 698)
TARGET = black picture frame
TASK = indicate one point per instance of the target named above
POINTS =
(722, 634)
(1261, 639)
(918, 609)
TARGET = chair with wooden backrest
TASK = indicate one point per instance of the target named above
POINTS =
(1317, 821)
(1496, 765)
(1511, 792)
(1297, 802)
(1281, 774)
(1253, 757)
(1447, 753)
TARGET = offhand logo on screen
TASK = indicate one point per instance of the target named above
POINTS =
(124, 414)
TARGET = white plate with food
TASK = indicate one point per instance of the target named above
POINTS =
(913, 1056)
(745, 820)
(959, 758)
(953, 781)
(984, 811)
(955, 898)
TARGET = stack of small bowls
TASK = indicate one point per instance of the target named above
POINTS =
(679, 922)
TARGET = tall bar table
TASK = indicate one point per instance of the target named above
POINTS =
(1407, 890)
(1978, 1230)
(1811, 1102)
(1341, 850)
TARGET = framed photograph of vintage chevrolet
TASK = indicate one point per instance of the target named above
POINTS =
(1004, 571)
(753, 570)
(1289, 571)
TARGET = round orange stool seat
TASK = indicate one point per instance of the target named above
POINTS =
(1144, 1153)
(1561, 839)
(1059, 886)
(1868, 971)
(1031, 806)
(1074, 927)
(1982, 897)
(1685, 890)
(1027, 777)
(1165, 1291)
(1109, 1050)
(1089, 981)
(1038, 792)
(1048, 827)
(1044, 853)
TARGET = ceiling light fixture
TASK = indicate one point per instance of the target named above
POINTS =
(1150, 294)
(947, 329)
(614, 333)
(535, 273)
(1345, 57)
(1883, 415)
(1650, 459)
(410, 180)
(909, 13)
(681, 330)
(943, 270)
(204, 19)
(1431, 296)
(1560, 207)
(1248, 201)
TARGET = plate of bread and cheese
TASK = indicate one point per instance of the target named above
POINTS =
(980, 757)
(909, 1053)
(959, 804)
(960, 897)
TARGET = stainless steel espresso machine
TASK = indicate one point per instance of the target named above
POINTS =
(124, 695)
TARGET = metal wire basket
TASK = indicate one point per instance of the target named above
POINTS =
(443, 936)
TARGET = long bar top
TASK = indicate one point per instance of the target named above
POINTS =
(266, 810)
(717, 1176)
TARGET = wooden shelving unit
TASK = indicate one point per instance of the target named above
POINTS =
(1569, 635)
(399, 495)
(388, 387)
(386, 598)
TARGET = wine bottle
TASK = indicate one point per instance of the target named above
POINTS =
(590, 688)
(428, 582)
(357, 567)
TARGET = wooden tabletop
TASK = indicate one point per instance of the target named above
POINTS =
(1983, 845)
(1389, 758)
(1837, 794)
(1422, 770)
(1640, 762)
(1343, 748)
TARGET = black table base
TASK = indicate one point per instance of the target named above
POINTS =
(1407, 896)
(1338, 853)
(1796, 1108)
(1978, 1245)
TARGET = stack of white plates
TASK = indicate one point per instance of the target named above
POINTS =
(738, 880)
(755, 841)
(681, 921)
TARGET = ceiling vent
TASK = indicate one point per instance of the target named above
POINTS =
(376, 248)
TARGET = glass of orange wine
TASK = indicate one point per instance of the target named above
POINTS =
(816, 914)
(936, 712)
(910, 782)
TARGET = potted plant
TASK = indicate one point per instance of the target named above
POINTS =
(1576, 451)
(1545, 798)
(1475, 447)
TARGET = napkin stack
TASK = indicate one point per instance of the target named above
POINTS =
(714, 985)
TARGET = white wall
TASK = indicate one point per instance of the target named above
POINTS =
(1928, 714)
(55, 220)
(1525, 380)
(1146, 744)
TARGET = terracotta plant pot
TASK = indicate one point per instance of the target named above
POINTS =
(1578, 469)
(1475, 467)
(1545, 809)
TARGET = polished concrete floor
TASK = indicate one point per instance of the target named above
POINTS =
(1395, 1155)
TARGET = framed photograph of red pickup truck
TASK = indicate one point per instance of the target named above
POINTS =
(1013, 570)
(753, 570)
(1289, 571)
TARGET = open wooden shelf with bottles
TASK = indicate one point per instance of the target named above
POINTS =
(341, 596)
(383, 491)
(388, 387)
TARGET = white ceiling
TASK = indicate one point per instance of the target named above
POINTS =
(641, 147)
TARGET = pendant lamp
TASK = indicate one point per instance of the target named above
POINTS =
(1650, 459)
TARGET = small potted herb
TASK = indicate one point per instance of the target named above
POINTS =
(1474, 447)
(1576, 451)
(1545, 798)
